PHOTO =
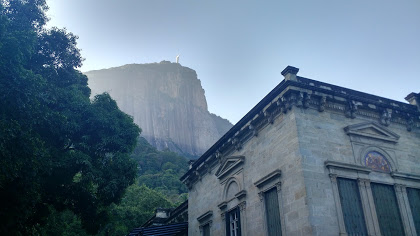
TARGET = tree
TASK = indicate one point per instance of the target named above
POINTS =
(161, 170)
(137, 206)
(58, 149)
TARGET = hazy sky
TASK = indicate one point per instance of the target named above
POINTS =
(239, 48)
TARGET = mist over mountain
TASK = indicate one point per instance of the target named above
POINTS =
(168, 103)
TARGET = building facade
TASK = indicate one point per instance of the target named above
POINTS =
(312, 159)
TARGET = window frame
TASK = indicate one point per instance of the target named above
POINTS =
(365, 176)
(204, 220)
(267, 183)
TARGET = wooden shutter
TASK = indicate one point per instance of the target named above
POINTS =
(351, 205)
(273, 213)
(387, 210)
(414, 200)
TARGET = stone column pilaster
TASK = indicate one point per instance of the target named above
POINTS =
(336, 194)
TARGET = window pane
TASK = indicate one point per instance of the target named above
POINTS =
(351, 205)
(206, 230)
(272, 212)
(233, 224)
(414, 200)
(387, 210)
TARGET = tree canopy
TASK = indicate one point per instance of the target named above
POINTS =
(58, 149)
(161, 170)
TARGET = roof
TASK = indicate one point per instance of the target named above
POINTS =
(163, 230)
(307, 84)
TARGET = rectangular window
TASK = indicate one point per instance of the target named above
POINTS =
(351, 205)
(271, 201)
(387, 210)
(414, 200)
(233, 223)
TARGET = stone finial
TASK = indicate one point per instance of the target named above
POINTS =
(414, 99)
(290, 73)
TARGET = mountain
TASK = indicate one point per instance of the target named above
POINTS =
(168, 103)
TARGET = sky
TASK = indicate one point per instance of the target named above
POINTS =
(239, 48)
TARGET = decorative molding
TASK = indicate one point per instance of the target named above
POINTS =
(278, 186)
(237, 143)
(261, 182)
(386, 117)
(306, 100)
(377, 132)
(222, 205)
(351, 109)
(405, 176)
(333, 177)
(261, 196)
(322, 103)
(253, 130)
(316, 95)
(242, 206)
(241, 194)
(228, 165)
(410, 122)
(363, 182)
(340, 165)
(299, 100)
(399, 188)
(204, 217)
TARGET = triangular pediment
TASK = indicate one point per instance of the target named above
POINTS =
(229, 164)
(372, 130)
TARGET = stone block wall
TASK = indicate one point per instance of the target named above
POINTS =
(322, 138)
(275, 147)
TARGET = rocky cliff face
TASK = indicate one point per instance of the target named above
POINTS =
(167, 101)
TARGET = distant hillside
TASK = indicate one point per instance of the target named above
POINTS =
(166, 101)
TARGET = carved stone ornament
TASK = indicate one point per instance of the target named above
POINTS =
(299, 100)
(399, 188)
(410, 122)
(253, 130)
(269, 116)
(386, 117)
(278, 187)
(351, 109)
(281, 105)
(306, 100)
(237, 144)
(196, 173)
(322, 103)
(261, 196)
(242, 206)
(363, 182)
(286, 105)
(292, 100)
(333, 177)
(218, 156)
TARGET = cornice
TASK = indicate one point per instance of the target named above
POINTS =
(346, 166)
(306, 94)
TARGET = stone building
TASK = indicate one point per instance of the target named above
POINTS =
(312, 158)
